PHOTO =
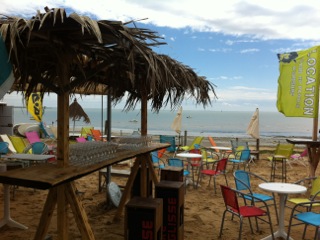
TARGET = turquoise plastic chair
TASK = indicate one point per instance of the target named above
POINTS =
(157, 162)
(169, 139)
(4, 148)
(39, 148)
(242, 157)
(243, 183)
(308, 217)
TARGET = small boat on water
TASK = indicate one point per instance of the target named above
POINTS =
(133, 120)
(189, 116)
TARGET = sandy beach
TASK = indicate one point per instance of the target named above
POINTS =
(202, 213)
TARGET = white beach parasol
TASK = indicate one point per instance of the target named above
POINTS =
(253, 128)
(176, 125)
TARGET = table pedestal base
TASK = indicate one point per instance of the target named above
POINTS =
(278, 234)
(7, 220)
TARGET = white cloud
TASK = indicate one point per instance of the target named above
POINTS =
(251, 50)
(237, 93)
(264, 19)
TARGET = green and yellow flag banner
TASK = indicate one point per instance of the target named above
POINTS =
(34, 106)
(298, 83)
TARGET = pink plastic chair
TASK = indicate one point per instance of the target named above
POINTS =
(33, 137)
(298, 158)
(81, 139)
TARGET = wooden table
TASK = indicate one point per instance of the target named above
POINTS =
(60, 179)
(283, 189)
(313, 150)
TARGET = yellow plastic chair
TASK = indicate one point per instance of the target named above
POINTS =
(85, 131)
(209, 159)
(314, 191)
(18, 143)
(281, 155)
(196, 140)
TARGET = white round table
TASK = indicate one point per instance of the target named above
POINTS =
(7, 220)
(221, 148)
(189, 155)
(283, 189)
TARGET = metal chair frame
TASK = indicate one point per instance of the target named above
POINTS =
(230, 197)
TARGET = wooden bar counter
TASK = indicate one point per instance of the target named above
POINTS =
(56, 179)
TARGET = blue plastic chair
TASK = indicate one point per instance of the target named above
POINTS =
(243, 184)
(241, 157)
(39, 148)
(307, 218)
(4, 148)
(169, 139)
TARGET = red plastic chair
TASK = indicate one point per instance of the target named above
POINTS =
(220, 169)
(195, 164)
(230, 197)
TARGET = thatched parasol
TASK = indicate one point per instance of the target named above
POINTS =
(76, 112)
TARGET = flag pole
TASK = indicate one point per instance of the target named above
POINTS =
(315, 126)
(315, 129)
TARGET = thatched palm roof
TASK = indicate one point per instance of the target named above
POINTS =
(53, 52)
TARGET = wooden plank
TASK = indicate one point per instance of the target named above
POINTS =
(127, 190)
(62, 210)
(143, 177)
(63, 129)
(79, 212)
(46, 176)
(46, 214)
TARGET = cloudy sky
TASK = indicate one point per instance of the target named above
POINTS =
(233, 43)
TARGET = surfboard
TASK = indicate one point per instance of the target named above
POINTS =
(28, 127)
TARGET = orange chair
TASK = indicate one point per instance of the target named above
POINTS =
(213, 143)
(97, 135)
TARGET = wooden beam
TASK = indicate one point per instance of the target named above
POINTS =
(62, 213)
(79, 212)
(46, 215)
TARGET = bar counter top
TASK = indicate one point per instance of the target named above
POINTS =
(45, 176)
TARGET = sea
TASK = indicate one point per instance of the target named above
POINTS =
(231, 124)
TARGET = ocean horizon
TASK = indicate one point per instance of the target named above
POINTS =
(231, 124)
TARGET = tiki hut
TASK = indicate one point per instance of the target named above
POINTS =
(56, 53)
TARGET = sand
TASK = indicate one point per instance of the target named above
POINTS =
(202, 213)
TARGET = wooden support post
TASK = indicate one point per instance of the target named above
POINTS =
(144, 163)
(63, 130)
(63, 161)
(143, 177)
(78, 212)
(127, 190)
(62, 210)
(46, 215)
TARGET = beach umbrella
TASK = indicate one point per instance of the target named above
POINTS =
(76, 112)
(253, 127)
(176, 124)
